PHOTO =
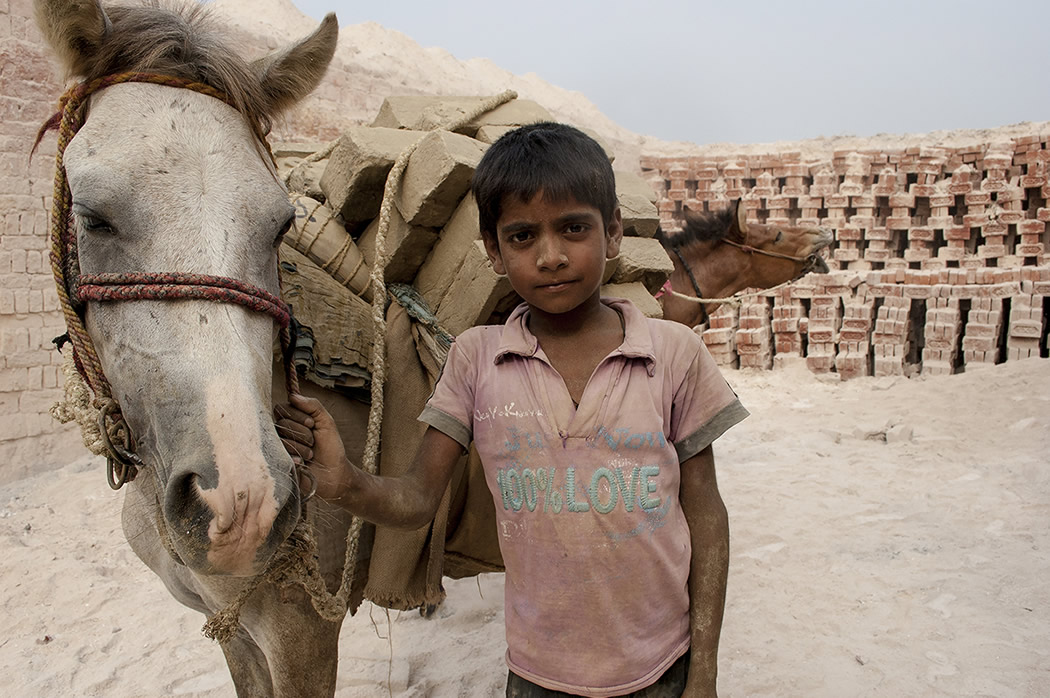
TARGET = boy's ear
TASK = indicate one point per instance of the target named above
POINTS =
(492, 250)
(614, 234)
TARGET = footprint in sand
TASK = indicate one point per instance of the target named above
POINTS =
(941, 604)
(968, 477)
(995, 527)
(941, 666)
(202, 683)
(763, 552)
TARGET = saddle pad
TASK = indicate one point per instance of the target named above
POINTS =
(334, 333)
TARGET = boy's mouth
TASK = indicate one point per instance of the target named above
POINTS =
(556, 285)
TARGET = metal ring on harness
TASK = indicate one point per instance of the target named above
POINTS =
(121, 463)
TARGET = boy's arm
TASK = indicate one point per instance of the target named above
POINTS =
(709, 532)
(409, 501)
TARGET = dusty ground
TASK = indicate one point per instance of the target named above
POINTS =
(890, 537)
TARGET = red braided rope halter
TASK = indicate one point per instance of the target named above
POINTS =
(73, 288)
(132, 286)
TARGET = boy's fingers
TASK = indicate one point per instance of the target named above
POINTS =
(296, 450)
(285, 411)
(309, 406)
(288, 429)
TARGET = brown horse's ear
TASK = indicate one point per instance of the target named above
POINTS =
(75, 29)
(739, 215)
(292, 73)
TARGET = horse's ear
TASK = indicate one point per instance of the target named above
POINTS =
(293, 72)
(739, 214)
(75, 29)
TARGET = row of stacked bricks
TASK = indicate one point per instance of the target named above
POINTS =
(432, 238)
(885, 323)
(923, 206)
(939, 263)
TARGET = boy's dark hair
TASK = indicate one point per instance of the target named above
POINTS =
(558, 159)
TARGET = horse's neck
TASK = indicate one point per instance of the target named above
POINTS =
(720, 270)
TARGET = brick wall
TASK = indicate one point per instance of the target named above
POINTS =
(940, 261)
(29, 317)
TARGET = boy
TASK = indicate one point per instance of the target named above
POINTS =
(594, 425)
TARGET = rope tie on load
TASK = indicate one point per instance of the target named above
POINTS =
(369, 461)
(296, 561)
(735, 299)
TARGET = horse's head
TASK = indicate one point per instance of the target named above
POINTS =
(166, 179)
(778, 253)
(719, 253)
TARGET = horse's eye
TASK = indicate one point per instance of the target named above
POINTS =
(92, 224)
(780, 235)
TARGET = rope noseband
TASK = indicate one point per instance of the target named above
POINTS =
(74, 288)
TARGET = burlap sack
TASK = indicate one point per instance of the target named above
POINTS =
(335, 326)
(405, 571)
(406, 567)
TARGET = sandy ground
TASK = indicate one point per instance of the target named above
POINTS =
(890, 537)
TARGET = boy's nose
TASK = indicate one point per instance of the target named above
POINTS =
(551, 253)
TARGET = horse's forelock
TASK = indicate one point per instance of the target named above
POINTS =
(178, 39)
(706, 226)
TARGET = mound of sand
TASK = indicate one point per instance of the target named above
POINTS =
(386, 62)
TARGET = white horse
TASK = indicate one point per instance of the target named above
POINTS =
(165, 179)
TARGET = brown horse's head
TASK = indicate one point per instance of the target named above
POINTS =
(720, 253)
(166, 180)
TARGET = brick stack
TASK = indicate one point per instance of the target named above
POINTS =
(1027, 320)
(789, 325)
(433, 238)
(940, 255)
(720, 335)
(754, 339)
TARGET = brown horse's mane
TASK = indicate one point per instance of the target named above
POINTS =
(178, 39)
(706, 226)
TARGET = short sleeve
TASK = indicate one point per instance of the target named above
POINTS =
(450, 409)
(704, 406)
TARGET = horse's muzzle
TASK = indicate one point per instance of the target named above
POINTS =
(229, 532)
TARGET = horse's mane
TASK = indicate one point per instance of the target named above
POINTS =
(178, 39)
(706, 226)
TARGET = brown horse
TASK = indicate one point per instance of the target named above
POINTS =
(720, 253)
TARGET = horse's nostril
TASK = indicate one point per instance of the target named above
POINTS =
(183, 506)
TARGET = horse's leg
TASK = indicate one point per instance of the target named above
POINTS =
(300, 649)
(248, 663)
(248, 667)
(142, 525)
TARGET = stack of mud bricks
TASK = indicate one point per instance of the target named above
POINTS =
(433, 240)
(720, 335)
(754, 338)
(940, 261)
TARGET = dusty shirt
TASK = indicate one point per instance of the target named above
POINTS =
(595, 544)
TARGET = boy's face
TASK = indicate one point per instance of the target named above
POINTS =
(553, 252)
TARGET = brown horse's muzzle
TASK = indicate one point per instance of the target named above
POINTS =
(815, 261)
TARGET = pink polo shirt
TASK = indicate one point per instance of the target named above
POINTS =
(595, 544)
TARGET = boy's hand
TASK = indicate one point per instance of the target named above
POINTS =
(309, 434)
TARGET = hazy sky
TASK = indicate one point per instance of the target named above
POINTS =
(753, 71)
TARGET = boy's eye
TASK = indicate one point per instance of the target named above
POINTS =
(520, 236)
(576, 227)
